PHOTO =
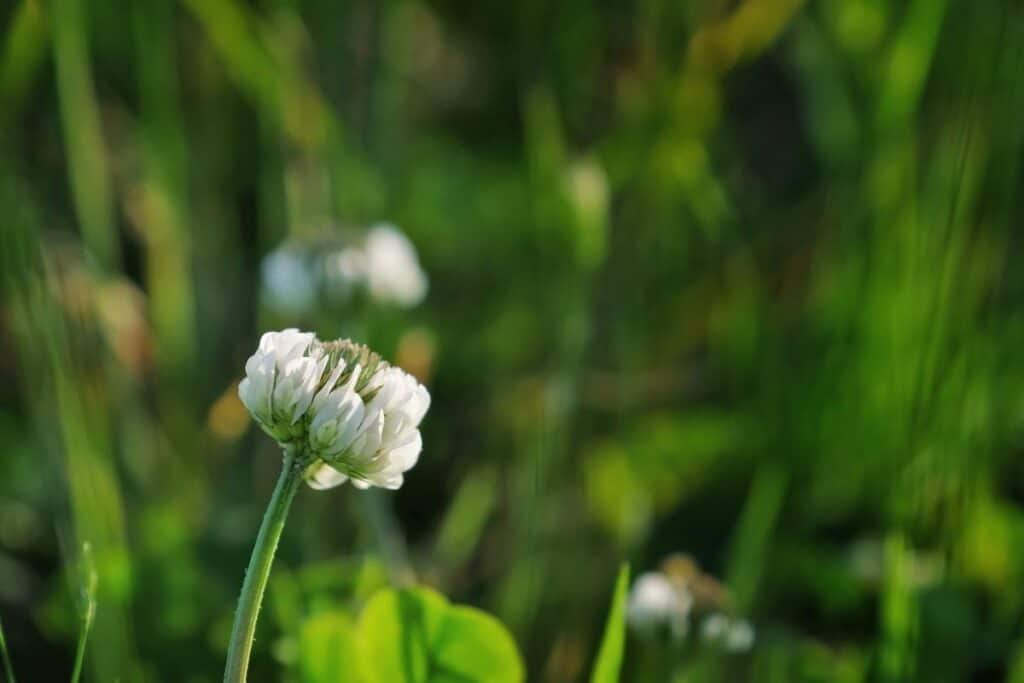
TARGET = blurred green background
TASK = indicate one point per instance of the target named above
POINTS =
(729, 278)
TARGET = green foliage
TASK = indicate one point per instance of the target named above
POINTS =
(613, 644)
(327, 651)
(417, 636)
(731, 279)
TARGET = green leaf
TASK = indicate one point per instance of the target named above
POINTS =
(417, 636)
(327, 648)
(609, 657)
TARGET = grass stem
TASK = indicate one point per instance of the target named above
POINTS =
(8, 669)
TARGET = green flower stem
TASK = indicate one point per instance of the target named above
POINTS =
(258, 572)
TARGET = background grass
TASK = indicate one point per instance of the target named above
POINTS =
(729, 278)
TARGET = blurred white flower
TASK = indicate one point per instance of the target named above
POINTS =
(654, 601)
(735, 635)
(344, 270)
(280, 380)
(289, 282)
(866, 558)
(385, 264)
(740, 637)
(714, 626)
(392, 268)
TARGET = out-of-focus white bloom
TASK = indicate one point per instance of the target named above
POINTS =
(351, 264)
(714, 626)
(654, 601)
(281, 379)
(343, 411)
(385, 264)
(289, 282)
(740, 637)
(392, 269)
(867, 560)
(344, 270)
(735, 635)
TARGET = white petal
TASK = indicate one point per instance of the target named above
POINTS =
(285, 345)
(392, 483)
(348, 423)
(329, 384)
(418, 405)
(255, 389)
(335, 425)
(246, 394)
(404, 457)
(326, 477)
(312, 374)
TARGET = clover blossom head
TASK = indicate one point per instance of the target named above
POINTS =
(344, 411)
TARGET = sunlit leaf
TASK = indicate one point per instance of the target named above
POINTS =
(416, 636)
(327, 648)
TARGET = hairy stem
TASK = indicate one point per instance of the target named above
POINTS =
(258, 572)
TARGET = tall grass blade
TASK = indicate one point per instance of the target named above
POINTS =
(88, 580)
(613, 644)
(8, 669)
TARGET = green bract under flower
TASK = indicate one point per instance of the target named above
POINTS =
(339, 406)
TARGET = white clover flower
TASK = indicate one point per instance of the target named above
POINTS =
(734, 635)
(392, 267)
(344, 271)
(715, 626)
(340, 412)
(281, 379)
(344, 412)
(385, 264)
(655, 601)
(740, 637)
